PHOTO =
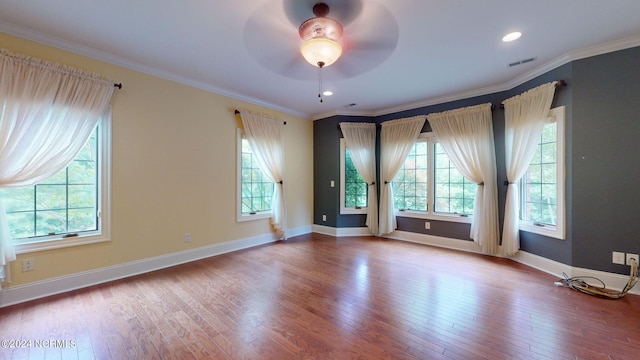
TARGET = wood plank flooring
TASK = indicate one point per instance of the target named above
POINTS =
(321, 297)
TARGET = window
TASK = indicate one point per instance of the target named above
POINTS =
(410, 186)
(429, 186)
(70, 208)
(542, 186)
(353, 194)
(255, 190)
(454, 193)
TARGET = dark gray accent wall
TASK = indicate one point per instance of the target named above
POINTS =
(606, 159)
(602, 100)
(326, 168)
(446, 229)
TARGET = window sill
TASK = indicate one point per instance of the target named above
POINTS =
(59, 243)
(430, 216)
(548, 230)
(353, 211)
(256, 216)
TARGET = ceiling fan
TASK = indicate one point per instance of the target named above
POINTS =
(274, 34)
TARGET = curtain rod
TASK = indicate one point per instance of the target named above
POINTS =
(559, 83)
(118, 85)
(238, 112)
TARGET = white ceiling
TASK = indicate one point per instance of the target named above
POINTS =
(398, 54)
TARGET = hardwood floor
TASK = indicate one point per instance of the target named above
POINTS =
(320, 297)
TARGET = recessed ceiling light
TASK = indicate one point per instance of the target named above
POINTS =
(512, 36)
(327, 93)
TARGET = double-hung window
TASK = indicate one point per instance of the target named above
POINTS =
(429, 186)
(453, 193)
(411, 184)
(354, 190)
(70, 208)
(255, 190)
(542, 186)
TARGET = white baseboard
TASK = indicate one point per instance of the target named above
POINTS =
(40, 289)
(299, 231)
(613, 281)
(339, 232)
(455, 244)
(324, 230)
(22, 293)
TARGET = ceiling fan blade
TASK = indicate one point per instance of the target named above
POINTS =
(274, 44)
(369, 39)
(365, 49)
(345, 11)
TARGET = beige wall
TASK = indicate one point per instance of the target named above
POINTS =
(173, 170)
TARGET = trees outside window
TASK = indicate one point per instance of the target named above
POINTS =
(353, 188)
(542, 186)
(454, 193)
(70, 208)
(255, 190)
(429, 186)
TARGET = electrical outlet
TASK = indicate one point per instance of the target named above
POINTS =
(187, 237)
(618, 258)
(427, 225)
(632, 256)
(27, 265)
(333, 183)
(324, 217)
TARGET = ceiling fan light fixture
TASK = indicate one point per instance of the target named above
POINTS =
(321, 51)
(321, 37)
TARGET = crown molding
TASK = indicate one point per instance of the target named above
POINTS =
(343, 113)
(99, 55)
(563, 59)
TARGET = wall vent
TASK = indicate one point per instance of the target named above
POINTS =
(522, 62)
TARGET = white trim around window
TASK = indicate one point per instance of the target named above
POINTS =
(240, 216)
(557, 231)
(104, 203)
(430, 138)
(346, 210)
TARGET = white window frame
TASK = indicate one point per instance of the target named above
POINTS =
(346, 210)
(240, 216)
(103, 233)
(557, 231)
(430, 214)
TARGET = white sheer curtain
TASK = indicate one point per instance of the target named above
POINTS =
(47, 113)
(396, 140)
(466, 135)
(361, 142)
(525, 116)
(265, 138)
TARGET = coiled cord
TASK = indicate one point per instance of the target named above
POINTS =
(578, 283)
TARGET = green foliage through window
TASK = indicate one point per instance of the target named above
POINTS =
(257, 190)
(539, 203)
(447, 192)
(453, 192)
(65, 203)
(355, 187)
(410, 186)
